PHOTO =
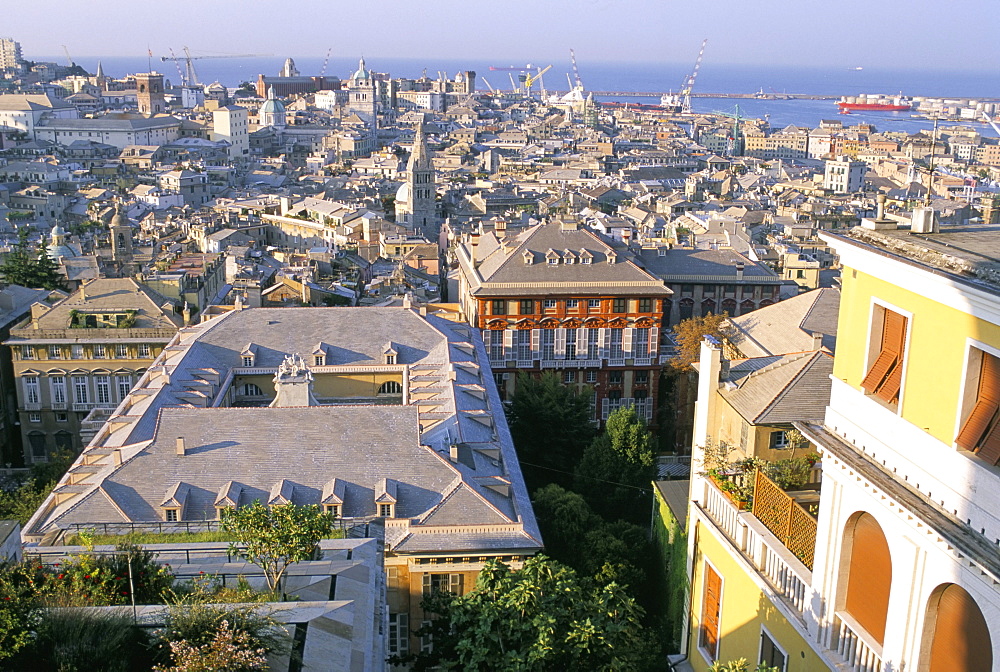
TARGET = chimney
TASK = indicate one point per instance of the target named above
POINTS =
(453, 452)
(817, 340)
(474, 244)
(880, 215)
(186, 313)
(116, 457)
(739, 270)
(501, 225)
(181, 449)
(83, 290)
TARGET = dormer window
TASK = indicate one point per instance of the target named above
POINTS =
(568, 257)
(389, 354)
(612, 257)
(385, 498)
(171, 515)
(552, 257)
(249, 355)
(386, 510)
(332, 509)
(319, 360)
(319, 354)
(528, 257)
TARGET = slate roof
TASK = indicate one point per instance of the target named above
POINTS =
(695, 266)
(501, 266)
(788, 326)
(786, 389)
(297, 452)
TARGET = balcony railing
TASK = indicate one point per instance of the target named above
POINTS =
(789, 577)
(854, 645)
(785, 518)
(643, 407)
(570, 363)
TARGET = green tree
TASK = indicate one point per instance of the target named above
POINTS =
(550, 425)
(539, 618)
(276, 536)
(19, 615)
(689, 334)
(31, 268)
(618, 468)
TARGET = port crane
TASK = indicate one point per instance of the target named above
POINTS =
(989, 120)
(190, 76)
(689, 82)
(529, 80)
(576, 70)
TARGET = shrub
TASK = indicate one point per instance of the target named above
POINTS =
(74, 640)
(89, 579)
(229, 650)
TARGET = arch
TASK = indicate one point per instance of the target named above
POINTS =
(746, 306)
(390, 387)
(708, 306)
(64, 440)
(251, 390)
(866, 574)
(729, 307)
(956, 635)
(766, 302)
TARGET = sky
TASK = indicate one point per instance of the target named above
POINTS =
(955, 35)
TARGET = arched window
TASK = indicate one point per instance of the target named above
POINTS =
(708, 306)
(390, 387)
(959, 638)
(729, 307)
(687, 308)
(869, 575)
(746, 306)
(251, 390)
(64, 441)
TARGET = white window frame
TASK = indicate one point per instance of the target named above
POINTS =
(145, 351)
(102, 388)
(774, 643)
(34, 417)
(28, 352)
(80, 386)
(57, 389)
(32, 390)
(100, 351)
(124, 386)
(55, 352)
(121, 351)
(969, 386)
(77, 352)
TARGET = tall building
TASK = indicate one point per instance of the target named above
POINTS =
(890, 561)
(844, 175)
(83, 352)
(385, 417)
(416, 206)
(559, 298)
(232, 124)
(149, 93)
(10, 54)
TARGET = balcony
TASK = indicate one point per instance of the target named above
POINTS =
(570, 363)
(780, 566)
(643, 407)
(854, 645)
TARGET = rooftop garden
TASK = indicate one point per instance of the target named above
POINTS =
(48, 620)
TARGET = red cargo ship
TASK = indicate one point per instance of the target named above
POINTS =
(874, 104)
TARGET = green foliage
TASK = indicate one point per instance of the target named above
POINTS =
(740, 665)
(230, 650)
(71, 640)
(19, 613)
(21, 502)
(276, 536)
(550, 425)
(31, 268)
(671, 583)
(89, 579)
(193, 619)
(208, 589)
(89, 538)
(618, 467)
(539, 618)
(689, 334)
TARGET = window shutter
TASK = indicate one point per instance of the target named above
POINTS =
(654, 341)
(508, 339)
(455, 584)
(885, 376)
(560, 343)
(710, 612)
(602, 341)
(627, 342)
(961, 639)
(536, 349)
(869, 577)
(581, 343)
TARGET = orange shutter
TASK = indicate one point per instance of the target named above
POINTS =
(961, 640)
(710, 612)
(975, 434)
(885, 376)
(870, 575)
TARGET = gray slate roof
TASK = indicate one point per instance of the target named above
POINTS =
(788, 326)
(786, 389)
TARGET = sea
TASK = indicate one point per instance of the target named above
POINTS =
(848, 79)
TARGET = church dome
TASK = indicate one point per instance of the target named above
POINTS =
(362, 72)
(403, 193)
(58, 249)
(272, 107)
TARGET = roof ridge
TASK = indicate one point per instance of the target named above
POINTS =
(784, 390)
